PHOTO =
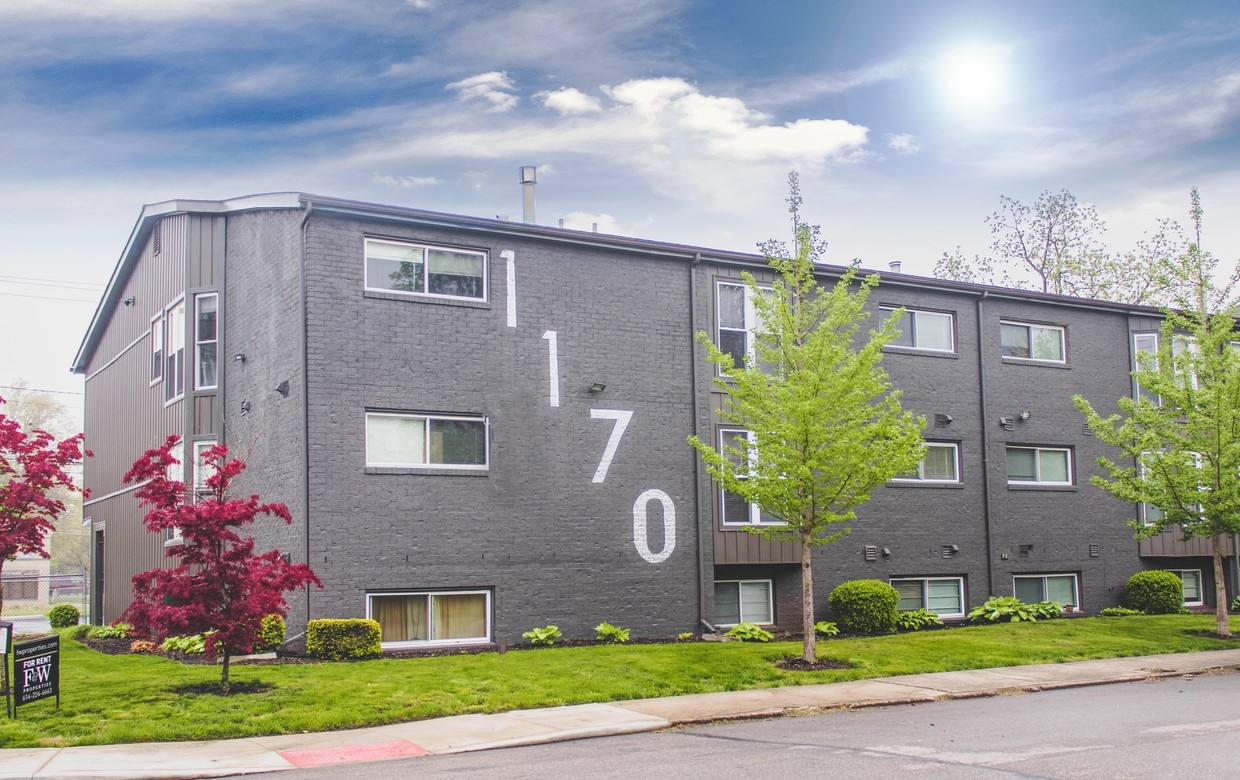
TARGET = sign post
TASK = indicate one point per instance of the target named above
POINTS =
(36, 671)
(6, 641)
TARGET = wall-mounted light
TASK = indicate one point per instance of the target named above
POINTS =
(239, 357)
(1024, 415)
(597, 387)
(282, 388)
(245, 408)
(955, 548)
(130, 301)
(886, 552)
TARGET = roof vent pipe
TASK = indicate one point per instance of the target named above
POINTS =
(894, 265)
(528, 179)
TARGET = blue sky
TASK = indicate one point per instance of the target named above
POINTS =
(663, 119)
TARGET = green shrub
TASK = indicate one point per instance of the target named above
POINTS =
(1119, 612)
(1005, 609)
(1235, 604)
(80, 631)
(345, 639)
(194, 644)
(749, 632)
(865, 606)
(917, 619)
(270, 634)
(826, 628)
(1155, 592)
(1046, 610)
(114, 631)
(684, 636)
(606, 632)
(543, 636)
(63, 616)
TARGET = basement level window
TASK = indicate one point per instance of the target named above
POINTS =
(432, 617)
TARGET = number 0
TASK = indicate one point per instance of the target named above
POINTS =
(641, 539)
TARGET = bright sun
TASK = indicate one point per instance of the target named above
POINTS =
(974, 75)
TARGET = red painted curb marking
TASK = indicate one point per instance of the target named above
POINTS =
(344, 754)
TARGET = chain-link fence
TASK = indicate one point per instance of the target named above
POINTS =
(28, 597)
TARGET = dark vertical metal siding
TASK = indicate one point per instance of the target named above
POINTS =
(125, 415)
(204, 272)
(1171, 544)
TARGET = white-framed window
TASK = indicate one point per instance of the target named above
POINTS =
(424, 270)
(738, 322)
(202, 471)
(1033, 588)
(157, 348)
(1147, 344)
(921, 329)
(174, 356)
(735, 510)
(176, 473)
(1192, 586)
(744, 601)
(944, 596)
(436, 617)
(206, 341)
(426, 440)
(1148, 513)
(941, 464)
(1039, 465)
(1028, 341)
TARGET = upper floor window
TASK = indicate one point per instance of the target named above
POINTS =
(735, 509)
(174, 358)
(206, 340)
(1039, 466)
(394, 266)
(1032, 342)
(941, 464)
(1147, 344)
(738, 323)
(157, 348)
(932, 330)
(403, 440)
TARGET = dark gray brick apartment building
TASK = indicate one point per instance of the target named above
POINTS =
(479, 425)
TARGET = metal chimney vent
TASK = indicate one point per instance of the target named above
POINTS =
(894, 265)
(529, 177)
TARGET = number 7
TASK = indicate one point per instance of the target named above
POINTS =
(622, 422)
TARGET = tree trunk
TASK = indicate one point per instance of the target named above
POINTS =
(1220, 587)
(810, 649)
(224, 674)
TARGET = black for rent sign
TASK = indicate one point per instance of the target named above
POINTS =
(36, 670)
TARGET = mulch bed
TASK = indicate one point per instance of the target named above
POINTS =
(798, 664)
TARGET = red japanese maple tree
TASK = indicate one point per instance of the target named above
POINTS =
(219, 583)
(32, 467)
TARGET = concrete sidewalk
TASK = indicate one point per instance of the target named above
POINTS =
(464, 733)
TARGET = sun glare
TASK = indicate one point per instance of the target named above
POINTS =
(974, 75)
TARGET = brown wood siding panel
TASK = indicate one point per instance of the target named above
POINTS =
(1169, 544)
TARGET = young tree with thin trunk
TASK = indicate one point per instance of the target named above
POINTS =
(33, 471)
(1180, 438)
(219, 584)
(824, 426)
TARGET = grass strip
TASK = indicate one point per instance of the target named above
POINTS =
(133, 698)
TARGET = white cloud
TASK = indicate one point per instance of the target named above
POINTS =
(581, 220)
(421, 5)
(404, 181)
(902, 143)
(493, 89)
(569, 102)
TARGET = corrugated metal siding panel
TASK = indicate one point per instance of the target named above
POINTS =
(206, 414)
(155, 282)
(205, 252)
(204, 272)
(1170, 544)
(128, 548)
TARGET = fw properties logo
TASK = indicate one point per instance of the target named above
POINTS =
(36, 671)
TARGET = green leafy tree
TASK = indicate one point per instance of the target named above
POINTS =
(1180, 438)
(825, 426)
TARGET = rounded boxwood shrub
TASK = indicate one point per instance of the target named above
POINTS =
(63, 616)
(1155, 592)
(271, 634)
(864, 607)
(345, 639)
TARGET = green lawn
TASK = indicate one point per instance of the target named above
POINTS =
(109, 699)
